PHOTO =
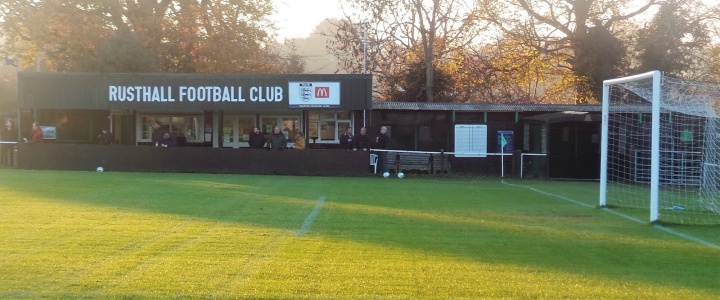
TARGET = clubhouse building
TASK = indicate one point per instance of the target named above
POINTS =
(213, 114)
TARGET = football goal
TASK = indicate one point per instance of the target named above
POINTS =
(661, 148)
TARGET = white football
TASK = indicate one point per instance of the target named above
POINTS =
(99, 169)
(386, 174)
(401, 175)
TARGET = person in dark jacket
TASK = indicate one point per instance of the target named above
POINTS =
(157, 134)
(162, 137)
(277, 140)
(382, 141)
(106, 137)
(361, 141)
(256, 138)
(168, 139)
(347, 139)
(7, 151)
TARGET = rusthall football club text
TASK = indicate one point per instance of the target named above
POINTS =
(194, 93)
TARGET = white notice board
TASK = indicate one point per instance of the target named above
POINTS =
(470, 140)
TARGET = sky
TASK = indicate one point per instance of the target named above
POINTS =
(298, 18)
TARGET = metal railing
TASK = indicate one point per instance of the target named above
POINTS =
(8, 161)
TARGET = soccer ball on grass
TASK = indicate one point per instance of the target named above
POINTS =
(386, 174)
(100, 169)
(401, 175)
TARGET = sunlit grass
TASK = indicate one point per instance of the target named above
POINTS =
(127, 235)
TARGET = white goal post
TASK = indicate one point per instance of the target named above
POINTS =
(659, 148)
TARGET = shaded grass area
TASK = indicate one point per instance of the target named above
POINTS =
(89, 235)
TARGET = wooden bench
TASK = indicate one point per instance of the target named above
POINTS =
(425, 162)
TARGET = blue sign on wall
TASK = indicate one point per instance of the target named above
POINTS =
(505, 141)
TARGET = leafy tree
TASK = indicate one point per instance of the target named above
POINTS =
(182, 35)
(507, 71)
(8, 89)
(294, 64)
(670, 42)
(599, 55)
(125, 53)
(50, 32)
(410, 83)
(714, 63)
(575, 29)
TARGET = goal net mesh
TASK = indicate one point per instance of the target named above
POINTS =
(689, 152)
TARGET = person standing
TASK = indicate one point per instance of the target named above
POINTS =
(361, 141)
(256, 138)
(161, 137)
(346, 140)
(7, 151)
(382, 142)
(106, 137)
(157, 134)
(277, 140)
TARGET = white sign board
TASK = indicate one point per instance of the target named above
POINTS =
(470, 140)
(49, 132)
(314, 94)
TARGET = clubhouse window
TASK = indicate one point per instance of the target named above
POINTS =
(187, 126)
(237, 129)
(289, 125)
(327, 127)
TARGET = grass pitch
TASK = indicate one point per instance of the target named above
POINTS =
(144, 235)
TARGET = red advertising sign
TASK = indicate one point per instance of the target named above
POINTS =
(322, 92)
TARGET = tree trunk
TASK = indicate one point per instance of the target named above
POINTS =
(428, 41)
(429, 72)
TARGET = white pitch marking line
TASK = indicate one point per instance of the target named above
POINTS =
(551, 195)
(631, 218)
(686, 236)
(311, 217)
(668, 230)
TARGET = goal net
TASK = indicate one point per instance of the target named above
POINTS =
(661, 148)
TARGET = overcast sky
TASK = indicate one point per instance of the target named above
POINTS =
(297, 18)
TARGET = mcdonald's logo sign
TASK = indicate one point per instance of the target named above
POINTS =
(322, 92)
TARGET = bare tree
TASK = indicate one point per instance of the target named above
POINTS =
(386, 37)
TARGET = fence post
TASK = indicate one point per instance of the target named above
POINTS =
(397, 162)
(432, 164)
(442, 160)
